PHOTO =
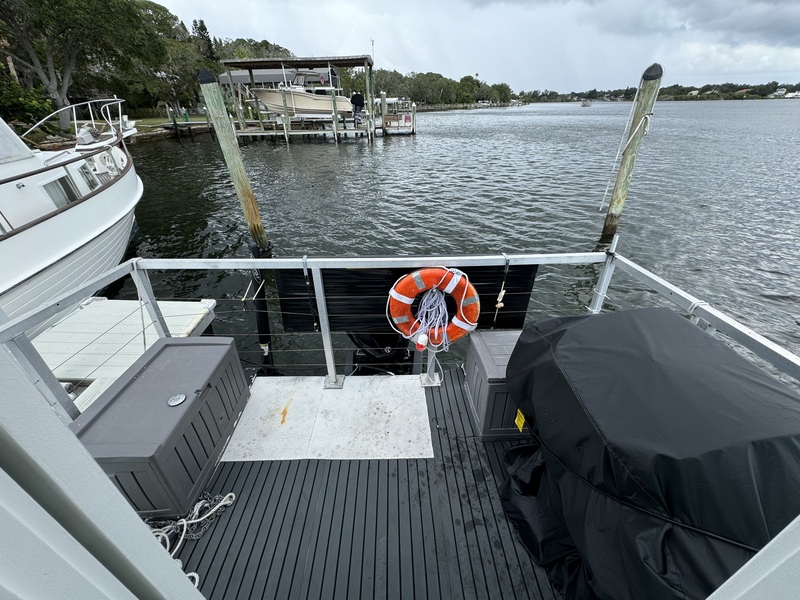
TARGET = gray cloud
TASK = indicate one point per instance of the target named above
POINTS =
(774, 22)
(732, 22)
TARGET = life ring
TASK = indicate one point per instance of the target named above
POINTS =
(450, 281)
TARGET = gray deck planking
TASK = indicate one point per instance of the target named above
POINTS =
(405, 528)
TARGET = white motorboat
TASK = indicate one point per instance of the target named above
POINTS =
(65, 216)
(310, 92)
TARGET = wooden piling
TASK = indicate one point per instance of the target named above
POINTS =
(236, 101)
(175, 125)
(645, 100)
(252, 87)
(208, 123)
(370, 101)
(228, 142)
(233, 159)
(286, 122)
(383, 112)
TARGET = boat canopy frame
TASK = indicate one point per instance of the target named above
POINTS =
(299, 62)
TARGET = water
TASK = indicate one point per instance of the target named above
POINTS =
(713, 205)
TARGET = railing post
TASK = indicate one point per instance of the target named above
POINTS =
(42, 377)
(430, 378)
(148, 299)
(605, 278)
(332, 380)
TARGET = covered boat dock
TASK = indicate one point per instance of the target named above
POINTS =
(285, 124)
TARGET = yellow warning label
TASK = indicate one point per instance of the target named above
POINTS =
(519, 421)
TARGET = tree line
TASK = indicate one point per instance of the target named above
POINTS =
(59, 52)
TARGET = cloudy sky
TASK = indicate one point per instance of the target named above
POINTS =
(562, 45)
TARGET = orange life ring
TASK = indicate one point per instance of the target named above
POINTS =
(450, 281)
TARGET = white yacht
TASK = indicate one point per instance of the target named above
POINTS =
(65, 216)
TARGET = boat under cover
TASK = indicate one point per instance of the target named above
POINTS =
(661, 459)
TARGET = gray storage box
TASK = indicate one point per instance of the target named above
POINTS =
(491, 408)
(161, 456)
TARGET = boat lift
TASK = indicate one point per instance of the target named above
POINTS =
(286, 124)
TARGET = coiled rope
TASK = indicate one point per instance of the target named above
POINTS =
(193, 526)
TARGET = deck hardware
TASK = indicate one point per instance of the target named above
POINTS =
(502, 293)
(176, 399)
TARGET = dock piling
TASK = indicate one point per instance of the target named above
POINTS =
(229, 144)
(645, 100)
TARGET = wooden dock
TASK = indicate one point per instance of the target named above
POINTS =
(303, 126)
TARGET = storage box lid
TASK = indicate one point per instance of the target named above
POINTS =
(136, 411)
(494, 347)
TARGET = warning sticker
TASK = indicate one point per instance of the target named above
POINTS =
(519, 421)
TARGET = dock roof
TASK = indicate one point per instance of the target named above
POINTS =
(308, 62)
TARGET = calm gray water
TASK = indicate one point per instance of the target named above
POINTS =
(713, 205)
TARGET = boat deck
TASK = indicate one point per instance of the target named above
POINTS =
(370, 528)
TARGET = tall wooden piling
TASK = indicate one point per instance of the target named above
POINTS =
(233, 159)
(175, 124)
(237, 103)
(645, 100)
(383, 112)
(212, 96)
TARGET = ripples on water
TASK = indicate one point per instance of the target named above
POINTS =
(712, 207)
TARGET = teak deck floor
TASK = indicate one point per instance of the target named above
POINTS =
(407, 528)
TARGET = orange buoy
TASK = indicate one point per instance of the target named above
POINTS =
(450, 281)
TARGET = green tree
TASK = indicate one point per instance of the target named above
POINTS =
(467, 89)
(19, 104)
(249, 48)
(391, 82)
(54, 39)
(203, 41)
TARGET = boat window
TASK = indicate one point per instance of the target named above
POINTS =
(61, 191)
(86, 173)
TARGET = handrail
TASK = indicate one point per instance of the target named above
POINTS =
(779, 357)
(105, 102)
(76, 158)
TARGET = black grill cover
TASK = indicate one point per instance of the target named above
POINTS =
(662, 460)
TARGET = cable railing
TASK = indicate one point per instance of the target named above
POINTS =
(330, 346)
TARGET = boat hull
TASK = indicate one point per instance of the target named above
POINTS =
(69, 248)
(299, 102)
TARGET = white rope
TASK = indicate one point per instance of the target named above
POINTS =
(193, 577)
(620, 149)
(432, 317)
(194, 517)
(646, 121)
